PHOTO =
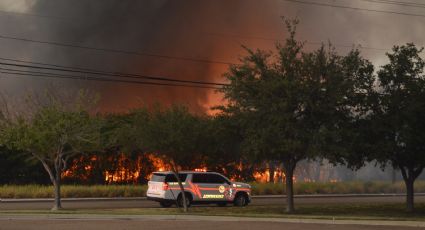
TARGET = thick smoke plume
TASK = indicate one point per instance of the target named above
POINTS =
(196, 29)
(207, 30)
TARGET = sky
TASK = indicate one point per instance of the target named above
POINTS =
(185, 40)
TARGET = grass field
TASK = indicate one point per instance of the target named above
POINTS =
(78, 191)
(72, 191)
(335, 212)
(357, 187)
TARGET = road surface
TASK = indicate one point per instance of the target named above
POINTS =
(30, 222)
(143, 203)
(129, 224)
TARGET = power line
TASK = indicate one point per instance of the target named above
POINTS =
(278, 40)
(35, 15)
(115, 50)
(354, 8)
(398, 3)
(75, 77)
(60, 68)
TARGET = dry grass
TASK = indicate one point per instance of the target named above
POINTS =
(78, 191)
(357, 187)
(74, 191)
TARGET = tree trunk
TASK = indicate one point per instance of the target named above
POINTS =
(271, 172)
(58, 204)
(54, 178)
(409, 177)
(409, 194)
(176, 174)
(57, 184)
(289, 168)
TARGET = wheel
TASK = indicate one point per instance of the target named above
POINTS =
(165, 204)
(240, 200)
(221, 204)
(180, 201)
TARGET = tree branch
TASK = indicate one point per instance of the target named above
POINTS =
(46, 167)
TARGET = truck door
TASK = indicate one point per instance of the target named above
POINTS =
(211, 186)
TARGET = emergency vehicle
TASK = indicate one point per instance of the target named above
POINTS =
(199, 187)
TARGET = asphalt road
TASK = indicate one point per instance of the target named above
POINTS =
(129, 224)
(143, 203)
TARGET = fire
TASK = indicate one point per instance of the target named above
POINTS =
(115, 168)
(124, 174)
(121, 168)
(264, 177)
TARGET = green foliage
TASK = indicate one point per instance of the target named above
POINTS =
(292, 105)
(400, 109)
(53, 134)
(17, 168)
(399, 129)
(296, 105)
(222, 145)
(174, 134)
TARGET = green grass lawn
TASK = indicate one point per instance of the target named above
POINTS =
(337, 212)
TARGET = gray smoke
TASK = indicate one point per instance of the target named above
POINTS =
(199, 29)
(207, 29)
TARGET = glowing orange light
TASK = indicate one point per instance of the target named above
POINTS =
(200, 170)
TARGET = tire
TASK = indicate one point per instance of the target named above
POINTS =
(222, 204)
(180, 201)
(165, 204)
(240, 200)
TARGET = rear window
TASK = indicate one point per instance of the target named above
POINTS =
(157, 177)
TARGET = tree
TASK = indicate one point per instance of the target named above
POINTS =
(53, 134)
(290, 104)
(16, 168)
(173, 134)
(222, 144)
(399, 126)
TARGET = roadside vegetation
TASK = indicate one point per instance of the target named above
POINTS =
(72, 191)
(281, 107)
(302, 188)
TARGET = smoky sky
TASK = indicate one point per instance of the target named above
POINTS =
(196, 29)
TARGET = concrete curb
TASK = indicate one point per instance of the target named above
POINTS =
(23, 200)
(79, 217)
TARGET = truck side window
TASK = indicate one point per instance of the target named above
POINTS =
(216, 179)
(200, 178)
(172, 178)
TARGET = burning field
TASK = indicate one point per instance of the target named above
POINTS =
(137, 169)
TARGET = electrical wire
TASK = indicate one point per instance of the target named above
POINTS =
(98, 72)
(354, 8)
(77, 77)
(69, 45)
